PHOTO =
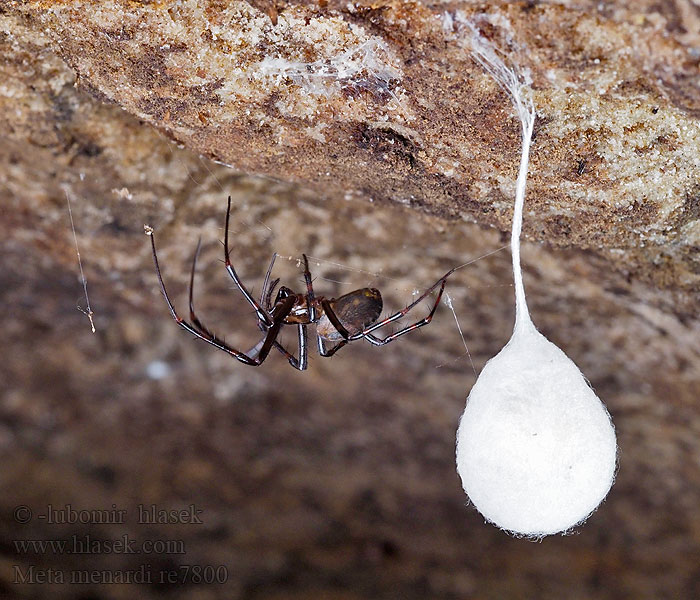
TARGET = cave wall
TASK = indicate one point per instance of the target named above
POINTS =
(339, 482)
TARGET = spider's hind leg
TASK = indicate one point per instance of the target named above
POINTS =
(376, 341)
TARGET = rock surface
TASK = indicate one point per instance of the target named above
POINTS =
(388, 157)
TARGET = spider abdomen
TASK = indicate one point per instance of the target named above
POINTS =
(355, 311)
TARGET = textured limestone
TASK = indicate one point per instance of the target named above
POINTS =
(382, 101)
(339, 482)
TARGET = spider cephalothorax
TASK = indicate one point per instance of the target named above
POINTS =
(350, 317)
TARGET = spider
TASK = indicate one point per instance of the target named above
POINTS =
(350, 317)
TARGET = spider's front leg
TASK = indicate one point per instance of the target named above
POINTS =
(302, 362)
(298, 363)
(198, 329)
(310, 303)
(266, 301)
(262, 314)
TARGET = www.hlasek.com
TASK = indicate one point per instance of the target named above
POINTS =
(86, 544)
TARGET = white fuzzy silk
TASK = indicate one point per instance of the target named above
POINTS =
(536, 449)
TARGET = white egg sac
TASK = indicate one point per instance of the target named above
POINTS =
(536, 449)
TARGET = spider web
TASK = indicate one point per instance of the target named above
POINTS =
(87, 311)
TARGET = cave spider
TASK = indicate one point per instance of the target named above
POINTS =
(350, 317)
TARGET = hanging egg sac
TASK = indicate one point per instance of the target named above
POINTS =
(536, 449)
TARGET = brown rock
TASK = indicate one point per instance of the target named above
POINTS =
(387, 154)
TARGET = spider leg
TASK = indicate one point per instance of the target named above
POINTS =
(203, 329)
(270, 291)
(280, 313)
(335, 321)
(193, 317)
(264, 295)
(309, 291)
(266, 301)
(302, 363)
(328, 353)
(396, 316)
(375, 341)
(292, 359)
(298, 363)
(262, 314)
